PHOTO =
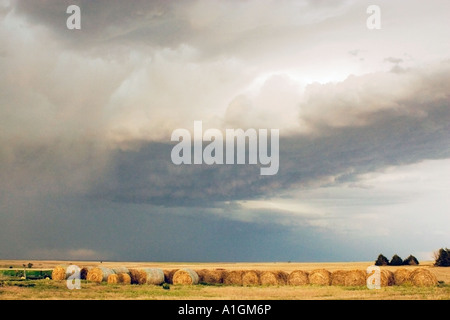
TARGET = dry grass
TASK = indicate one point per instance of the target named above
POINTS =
(48, 289)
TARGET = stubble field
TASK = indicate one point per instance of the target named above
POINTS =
(14, 288)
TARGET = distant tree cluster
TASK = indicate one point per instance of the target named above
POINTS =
(396, 261)
(443, 258)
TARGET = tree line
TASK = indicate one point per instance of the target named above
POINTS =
(442, 259)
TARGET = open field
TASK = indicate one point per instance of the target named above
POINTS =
(16, 288)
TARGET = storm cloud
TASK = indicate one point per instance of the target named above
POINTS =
(86, 118)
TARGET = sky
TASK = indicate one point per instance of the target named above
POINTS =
(86, 117)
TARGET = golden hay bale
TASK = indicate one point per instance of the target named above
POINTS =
(423, 277)
(401, 276)
(355, 278)
(59, 273)
(320, 276)
(113, 278)
(83, 272)
(137, 276)
(338, 278)
(185, 276)
(250, 278)
(99, 274)
(273, 278)
(201, 275)
(298, 278)
(153, 276)
(124, 278)
(233, 277)
(210, 276)
(387, 278)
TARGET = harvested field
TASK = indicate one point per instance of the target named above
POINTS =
(233, 278)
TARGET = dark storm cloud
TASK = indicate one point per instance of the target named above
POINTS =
(339, 155)
(246, 28)
(85, 165)
(153, 22)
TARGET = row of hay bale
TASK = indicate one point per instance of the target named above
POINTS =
(323, 277)
(122, 275)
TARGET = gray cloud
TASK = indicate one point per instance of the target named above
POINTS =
(147, 175)
(393, 60)
(86, 117)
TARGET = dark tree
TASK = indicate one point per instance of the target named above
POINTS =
(396, 261)
(381, 261)
(411, 261)
(443, 258)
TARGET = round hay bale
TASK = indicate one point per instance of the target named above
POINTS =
(423, 278)
(298, 278)
(210, 276)
(355, 278)
(185, 277)
(401, 276)
(250, 278)
(338, 278)
(387, 278)
(233, 277)
(113, 279)
(282, 277)
(154, 276)
(124, 278)
(273, 278)
(168, 275)
(99, 274)
(320, 277)
(138, 276)
(121, 270)
(59, 273)
(83, 272)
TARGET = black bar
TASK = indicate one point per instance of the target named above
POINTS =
(224, 309)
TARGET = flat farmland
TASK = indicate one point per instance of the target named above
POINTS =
(20, 289)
